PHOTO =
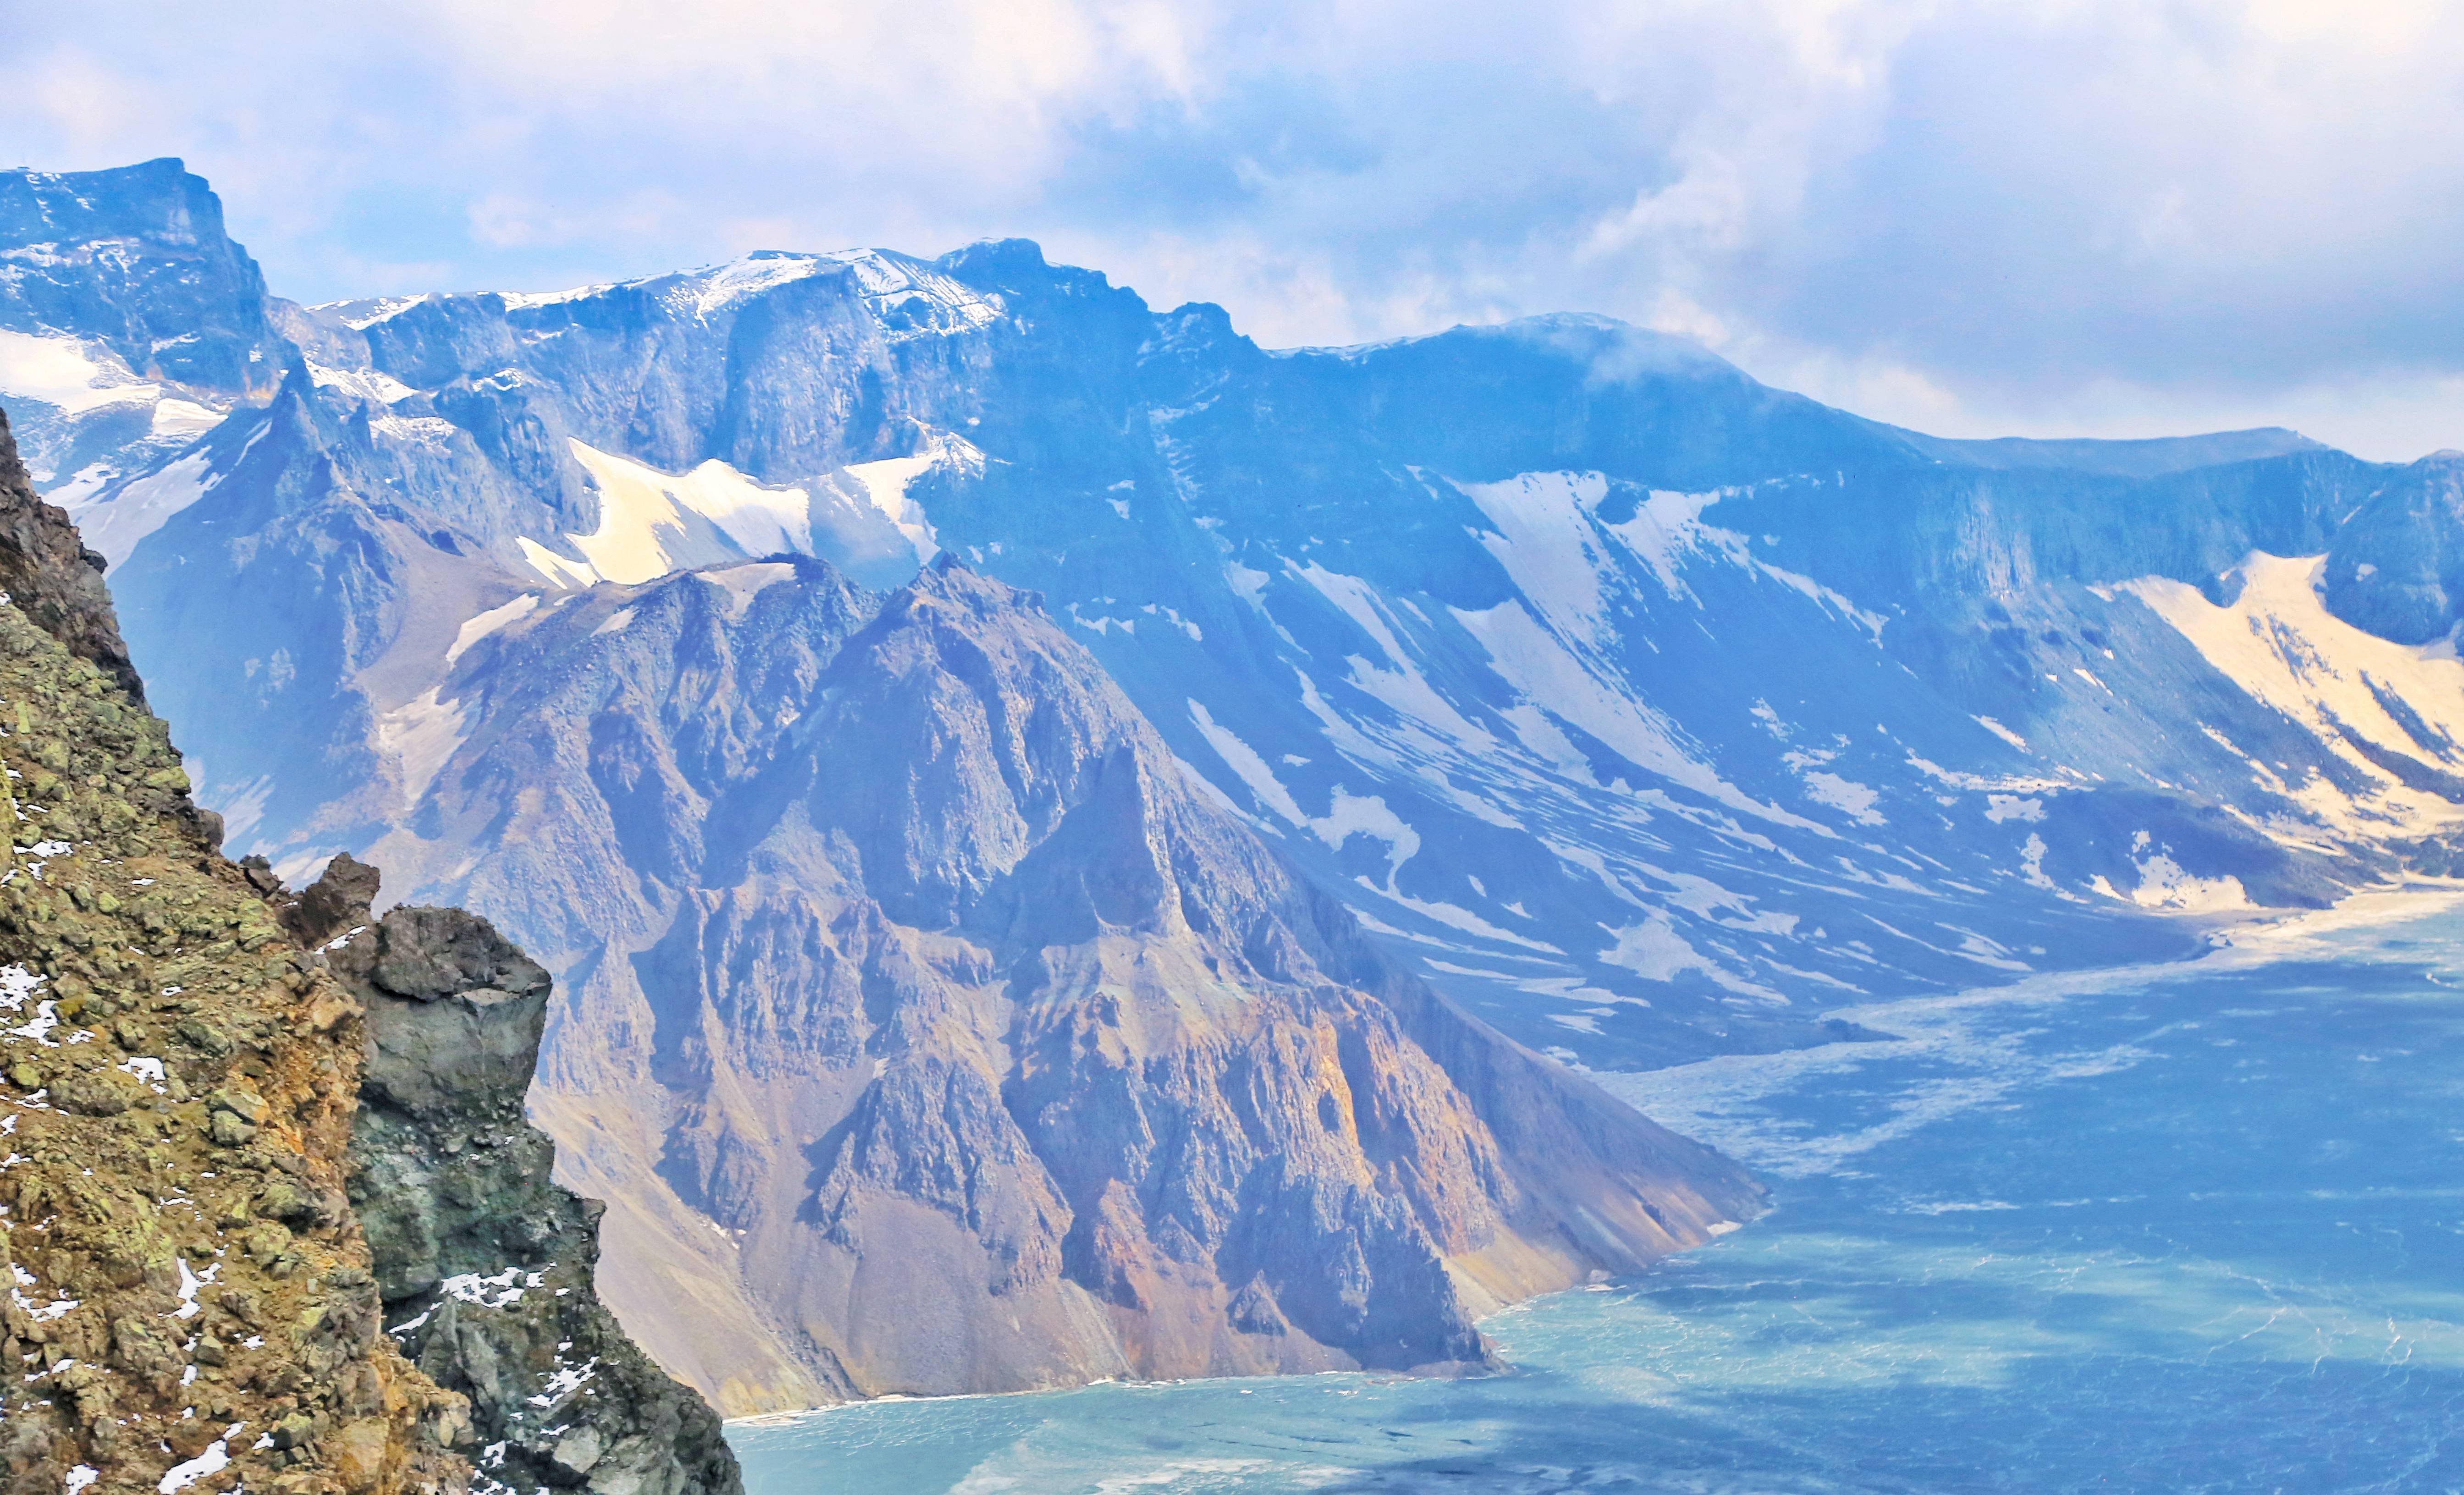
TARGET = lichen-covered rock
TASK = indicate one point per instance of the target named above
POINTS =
(54, 579)
(190, 1303)
(486, 1265)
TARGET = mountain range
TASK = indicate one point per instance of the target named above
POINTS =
(986, 760)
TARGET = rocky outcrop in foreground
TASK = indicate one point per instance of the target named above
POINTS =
(484, 1265)
(192, 1302)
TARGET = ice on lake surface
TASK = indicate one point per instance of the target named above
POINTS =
(2199, 1228)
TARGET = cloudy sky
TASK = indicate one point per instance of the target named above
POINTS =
(2066, 216)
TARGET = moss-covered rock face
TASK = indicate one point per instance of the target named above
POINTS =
(191, 1301)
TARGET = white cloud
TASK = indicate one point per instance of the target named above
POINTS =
(2079, 214)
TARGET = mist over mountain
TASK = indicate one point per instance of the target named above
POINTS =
(1009, 678)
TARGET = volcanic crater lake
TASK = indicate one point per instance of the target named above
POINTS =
(2184, 1228)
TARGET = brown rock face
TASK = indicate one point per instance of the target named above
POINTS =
(191, 1301)
(934, 1035)
(54, 579)
(190, 1304)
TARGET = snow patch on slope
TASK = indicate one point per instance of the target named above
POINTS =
(2165, 884)
(421, 737)
(1652, 950)
(1664, 528)
(1355, 598)
(912, 299)
(366, 384)
(652, 523)
(1245, 764)
(883, 485)
(2278, 642)
(1530, 659)
(68, 372)
(1350, 814)
(744, 583)
(360, 316)
(1546, 542)
(177, 418)
(1404, 688)
(740, 281)
(115, 525)
(1346, 815)
(486, 622)
(1847, 796)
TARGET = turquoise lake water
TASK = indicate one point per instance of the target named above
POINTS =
(2193, 1229)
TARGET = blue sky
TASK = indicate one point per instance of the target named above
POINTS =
(2052, 218)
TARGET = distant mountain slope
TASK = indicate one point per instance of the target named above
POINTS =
(129, 323)
(934, 1035)
(1643, 710)
(2395, 567)
(1652, 707)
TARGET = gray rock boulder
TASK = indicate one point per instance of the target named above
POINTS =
(484, 1265)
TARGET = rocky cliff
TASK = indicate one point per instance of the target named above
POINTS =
(194, 1299)
(945, 1037)
(2396, 567)
(129, 321)
(486, 1267)
(191, 1301)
